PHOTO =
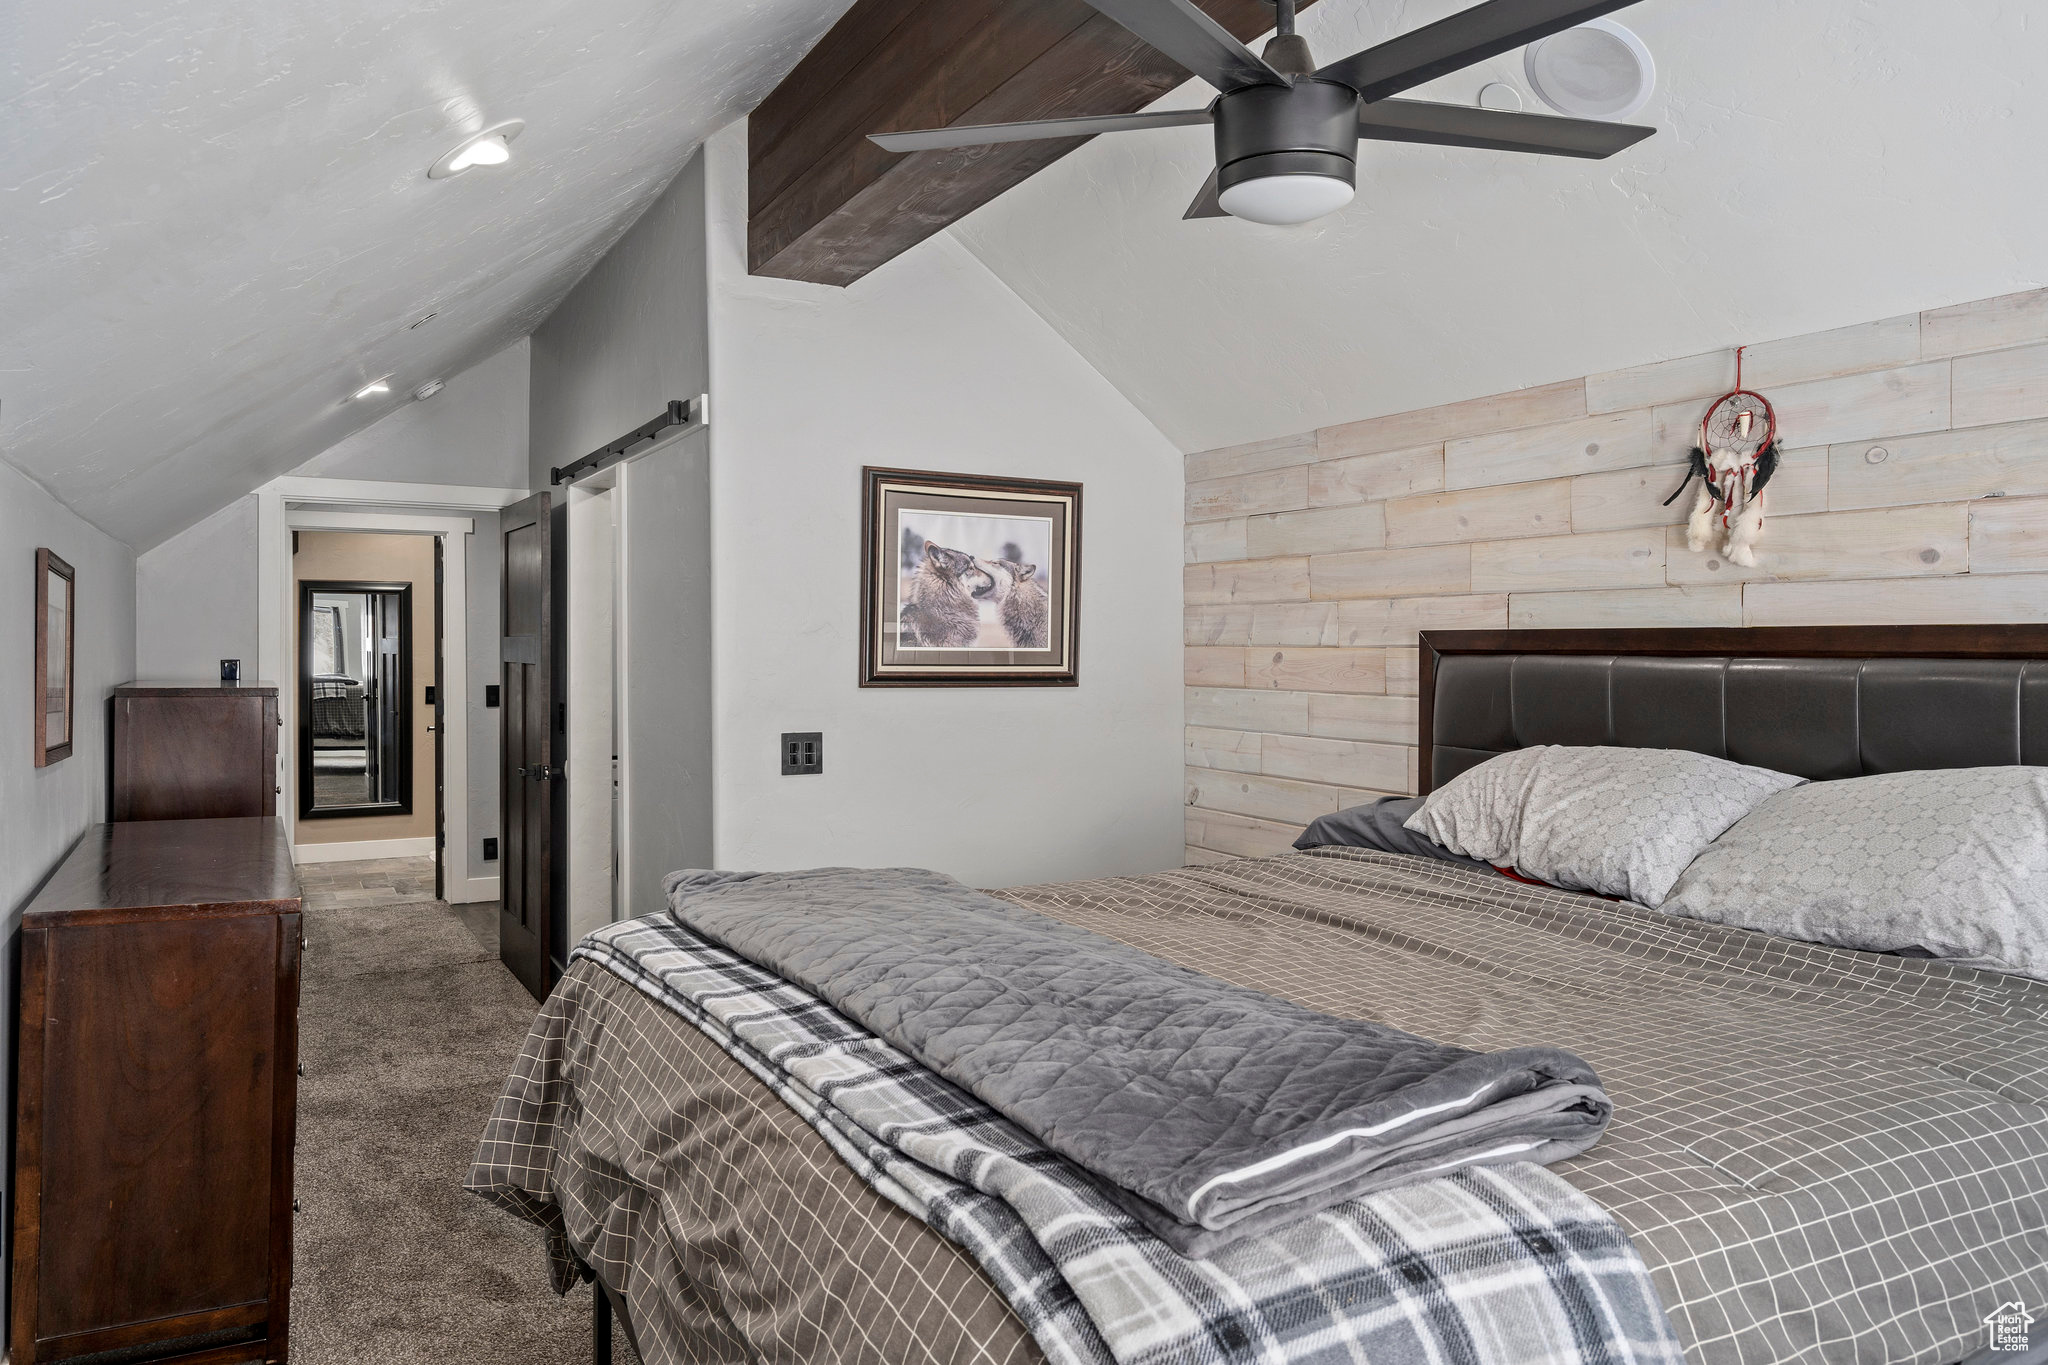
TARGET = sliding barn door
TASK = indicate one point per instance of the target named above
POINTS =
(529, 768)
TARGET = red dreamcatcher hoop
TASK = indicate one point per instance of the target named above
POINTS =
(1740, 421)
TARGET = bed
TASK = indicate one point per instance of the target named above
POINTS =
(1821, 1155)
(338, 712)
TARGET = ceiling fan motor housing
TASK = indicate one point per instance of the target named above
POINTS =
(1307, 128)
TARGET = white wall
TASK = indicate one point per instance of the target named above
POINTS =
(195, 598)
(43, 810)
(196, 592)
(1852, 163)
(929, 363)
(472, 432)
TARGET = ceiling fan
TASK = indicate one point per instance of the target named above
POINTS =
(1287, 131)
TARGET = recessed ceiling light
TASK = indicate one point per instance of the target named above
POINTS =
(491, 147)
(374, 388)
(427, 390)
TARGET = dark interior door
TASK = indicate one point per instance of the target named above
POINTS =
(439, 697)
(390, 705)
(526, 758)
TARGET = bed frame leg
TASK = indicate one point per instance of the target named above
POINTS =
(600, 1324)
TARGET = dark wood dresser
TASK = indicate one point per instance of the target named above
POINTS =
(155, 1093)
(194, 750)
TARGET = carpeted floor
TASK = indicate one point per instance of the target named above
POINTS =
(407, 1027)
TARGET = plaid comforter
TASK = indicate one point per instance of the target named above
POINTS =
(1492, 1264)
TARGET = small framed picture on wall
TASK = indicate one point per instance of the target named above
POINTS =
(968, 580)
(56, 634)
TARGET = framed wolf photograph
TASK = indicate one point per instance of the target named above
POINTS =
(56, 637)
(968, 580)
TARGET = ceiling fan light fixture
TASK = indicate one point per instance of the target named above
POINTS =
(1284, 200)
(1284, 154)
(1287, 130)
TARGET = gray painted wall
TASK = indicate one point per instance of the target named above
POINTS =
(195, 598)
(929, 363)
(196, 592)
(43, 810)
(629, 337)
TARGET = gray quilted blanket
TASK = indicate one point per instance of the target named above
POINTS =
(1210, 1111)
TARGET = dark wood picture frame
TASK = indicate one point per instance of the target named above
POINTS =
(881, 661)
(49, 566)
(403, 806)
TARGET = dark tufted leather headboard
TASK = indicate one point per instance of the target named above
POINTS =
(1822, 702)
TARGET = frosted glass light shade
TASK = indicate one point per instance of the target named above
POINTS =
(1282, 200)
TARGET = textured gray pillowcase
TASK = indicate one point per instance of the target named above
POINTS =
(1952, 860)
(1380, 825)
(1623, 822)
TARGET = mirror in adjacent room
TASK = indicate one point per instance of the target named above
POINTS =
(355, 682)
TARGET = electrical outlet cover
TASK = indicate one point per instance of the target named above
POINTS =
(803, 753)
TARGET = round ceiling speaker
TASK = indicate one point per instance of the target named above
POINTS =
(1597, 70)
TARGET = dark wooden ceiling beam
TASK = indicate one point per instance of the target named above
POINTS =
(826, 205)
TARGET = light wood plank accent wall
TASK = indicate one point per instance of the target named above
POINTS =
(1914, 489)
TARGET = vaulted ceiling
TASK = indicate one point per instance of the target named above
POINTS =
(1819, 162)
(215, 220)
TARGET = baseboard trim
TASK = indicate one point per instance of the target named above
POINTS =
(466, 892)
(362, 849)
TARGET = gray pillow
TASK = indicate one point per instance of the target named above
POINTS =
(1952, 860)
(1623, 822)
(1380, 824)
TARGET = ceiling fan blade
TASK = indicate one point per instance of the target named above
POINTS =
(1205, 205)
(1452, 44)
(975, 135)
(1193, 39)
(1459, 125)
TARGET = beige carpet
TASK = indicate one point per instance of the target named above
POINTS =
(407, 1027)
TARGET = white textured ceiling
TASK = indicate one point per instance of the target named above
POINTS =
(1820, 162)
(215, 221)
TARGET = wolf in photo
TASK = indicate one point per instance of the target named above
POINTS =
(1020, 602)
(939, 609)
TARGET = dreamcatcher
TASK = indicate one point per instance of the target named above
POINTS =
(1736, 456)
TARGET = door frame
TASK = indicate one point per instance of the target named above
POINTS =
(312, 504)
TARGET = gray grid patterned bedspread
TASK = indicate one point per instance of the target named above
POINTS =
(1490, 1265)
(1822, 1156)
